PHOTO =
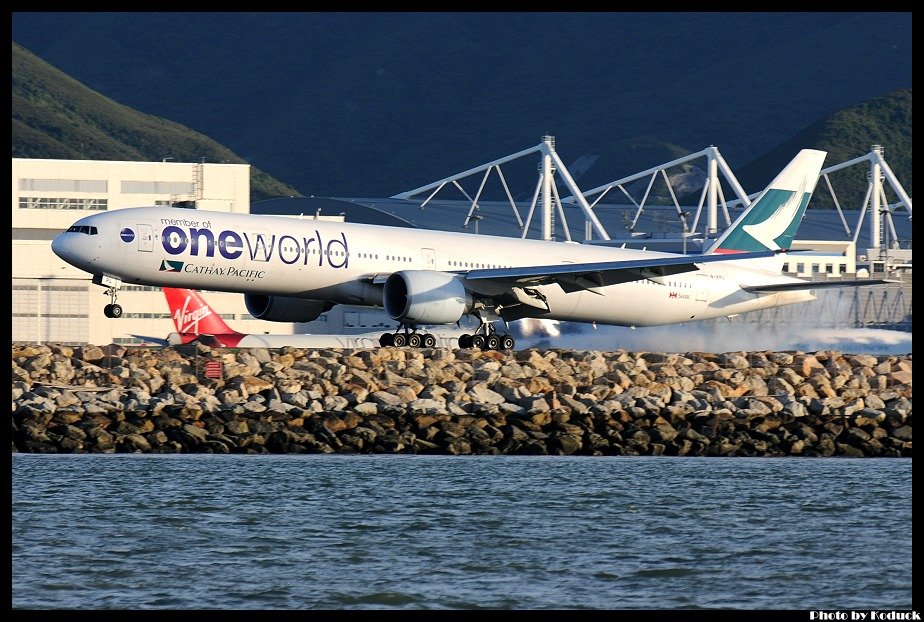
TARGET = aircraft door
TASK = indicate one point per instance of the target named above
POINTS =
(145, 238)
(429, 258)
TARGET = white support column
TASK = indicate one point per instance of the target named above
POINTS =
(548, 145)
(712, 211)
(875, 218)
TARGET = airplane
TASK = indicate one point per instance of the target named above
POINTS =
(195, 320)
(292, 270)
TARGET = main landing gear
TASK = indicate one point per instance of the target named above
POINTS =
(486, 338)
(410, 338)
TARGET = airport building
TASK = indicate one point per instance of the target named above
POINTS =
(53, 301)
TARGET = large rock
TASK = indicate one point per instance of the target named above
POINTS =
(482, 394)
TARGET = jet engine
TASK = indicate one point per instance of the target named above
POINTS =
(425, 297)
(284, 309)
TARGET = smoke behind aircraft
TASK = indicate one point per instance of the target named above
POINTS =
(729, 336)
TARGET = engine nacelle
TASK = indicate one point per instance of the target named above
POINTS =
(425, 297)
(284, 309)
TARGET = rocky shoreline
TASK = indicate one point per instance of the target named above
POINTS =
(111, 399)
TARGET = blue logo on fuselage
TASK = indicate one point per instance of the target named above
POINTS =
(127, 235)
(231, 245)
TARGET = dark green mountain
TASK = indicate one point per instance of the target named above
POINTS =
(55, 116)
(847, 134)
(372, 104)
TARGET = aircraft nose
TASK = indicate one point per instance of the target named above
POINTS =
(73, 248)
(62, 246)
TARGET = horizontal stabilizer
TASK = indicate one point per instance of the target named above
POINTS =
(156, 341)
(785, 287)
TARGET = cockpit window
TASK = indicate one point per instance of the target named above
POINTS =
(83, 229)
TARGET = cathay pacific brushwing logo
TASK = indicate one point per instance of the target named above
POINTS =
(768, 231)
(171, 266)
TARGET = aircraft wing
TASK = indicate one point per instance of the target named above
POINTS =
(590, 276)
(785, 287)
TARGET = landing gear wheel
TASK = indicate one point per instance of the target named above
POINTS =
(492, 342)
(465, 341)
(413, 340)
(387, 340)
(399, 340)
(507, 342)
(478, 341)
(112, 310)
(429, 341)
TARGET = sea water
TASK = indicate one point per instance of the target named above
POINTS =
(451, 532)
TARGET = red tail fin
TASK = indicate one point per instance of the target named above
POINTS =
(192, 315)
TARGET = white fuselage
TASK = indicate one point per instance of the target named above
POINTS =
(335, 261)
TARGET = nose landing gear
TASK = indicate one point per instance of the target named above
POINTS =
(113, 309)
